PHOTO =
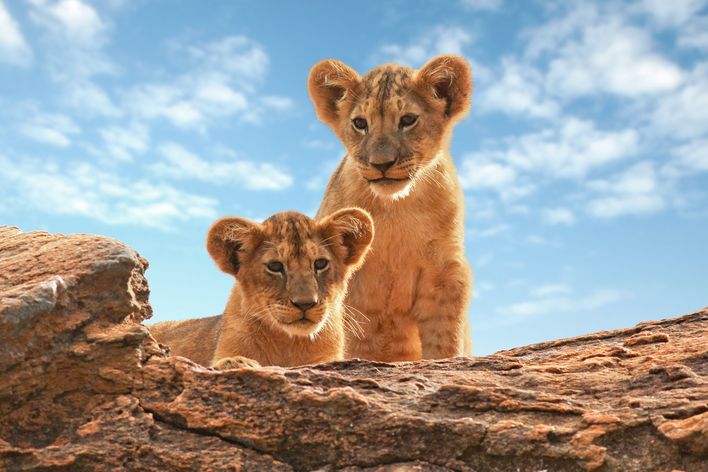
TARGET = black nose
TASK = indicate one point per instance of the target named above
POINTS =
(383, 166)
(304, 306)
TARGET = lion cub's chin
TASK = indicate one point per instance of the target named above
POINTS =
(308, 327)
(392, 189)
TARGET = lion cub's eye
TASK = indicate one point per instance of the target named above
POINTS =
(276, 267)
(321, 264)
(360, 124)
(408, 120)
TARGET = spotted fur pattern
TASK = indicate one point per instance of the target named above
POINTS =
(284, 309)
(414, 290)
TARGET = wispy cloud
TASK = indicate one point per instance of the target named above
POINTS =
(219, 83)
(74, 37)
(82, 189)
(635, 191)
(517, 89)
(556, 299)
(587, 50)
(571, 150)
(558, 216)
(124, 142)
(684, 112)
(179, 163)
(490, 5)
(13, 46)
(611, 57)
(439, 40)
(671, 14)
(75, 20)
(50, 128)
(491, 231)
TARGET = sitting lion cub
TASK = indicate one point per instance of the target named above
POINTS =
(286, 307)
(396, 125)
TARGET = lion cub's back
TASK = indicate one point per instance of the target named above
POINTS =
(194, 339)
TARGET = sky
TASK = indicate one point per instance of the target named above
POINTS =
(584, 160)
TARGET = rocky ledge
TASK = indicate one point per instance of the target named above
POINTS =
(83, 386)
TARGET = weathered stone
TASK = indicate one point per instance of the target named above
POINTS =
(84, 386)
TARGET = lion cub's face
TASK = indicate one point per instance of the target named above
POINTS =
(293, 271)
(393, 121)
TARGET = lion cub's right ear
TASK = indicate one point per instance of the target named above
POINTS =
(330, 84)
(351, 231)
(229, 239)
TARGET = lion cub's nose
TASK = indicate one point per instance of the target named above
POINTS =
(383, 166)
(304, 303)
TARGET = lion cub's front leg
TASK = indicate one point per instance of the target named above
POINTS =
(235, 362)
(441, 309)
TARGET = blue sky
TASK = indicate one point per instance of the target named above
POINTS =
(584, 159)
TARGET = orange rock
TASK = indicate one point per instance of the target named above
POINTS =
(83, 386)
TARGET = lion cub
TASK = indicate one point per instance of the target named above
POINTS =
(286, 307)
(396, 124)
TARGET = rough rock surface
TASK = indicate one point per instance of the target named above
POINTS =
(83, 386)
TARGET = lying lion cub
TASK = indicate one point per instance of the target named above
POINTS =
(286, 308)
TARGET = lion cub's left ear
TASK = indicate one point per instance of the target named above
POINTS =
(230, 239)
(351, 230)
(448, 78)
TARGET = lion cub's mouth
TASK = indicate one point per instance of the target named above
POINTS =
(299, 322)
(383, 180)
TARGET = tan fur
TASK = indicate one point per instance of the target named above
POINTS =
(291, 317)
(414, 290)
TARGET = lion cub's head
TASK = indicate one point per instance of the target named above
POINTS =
(292, 270)
(395, 120)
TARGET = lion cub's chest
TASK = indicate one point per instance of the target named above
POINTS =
(387, 282)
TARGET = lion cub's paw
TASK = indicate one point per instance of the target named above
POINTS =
(236, 362)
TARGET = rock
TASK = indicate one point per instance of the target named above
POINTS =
(84, 386)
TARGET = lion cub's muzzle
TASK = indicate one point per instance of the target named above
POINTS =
(304, 316)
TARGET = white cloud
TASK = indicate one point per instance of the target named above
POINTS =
(683, 113)
(558, 216)
(482, 4)
(557, 299)
(123, 142)
(549, 290)
(589, 49)
(517, 90)
(694, 34)
(482, 288)
(75, 36)
(440, 40)
(81, 189)
(674, 13)
(476, 173)
(277, 103)
(220, 83)
(611, 57)
(634, 191)
(13, 47)
(491, 231)
(88, 98)
(50, 128)
(571, 150)
(319, 144)
(234, 56)
(692, 156)
(75, 20)
(179, 163)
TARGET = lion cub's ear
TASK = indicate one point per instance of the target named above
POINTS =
(229, 239)
(330, 84)
(447, 78)
(350, 231)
